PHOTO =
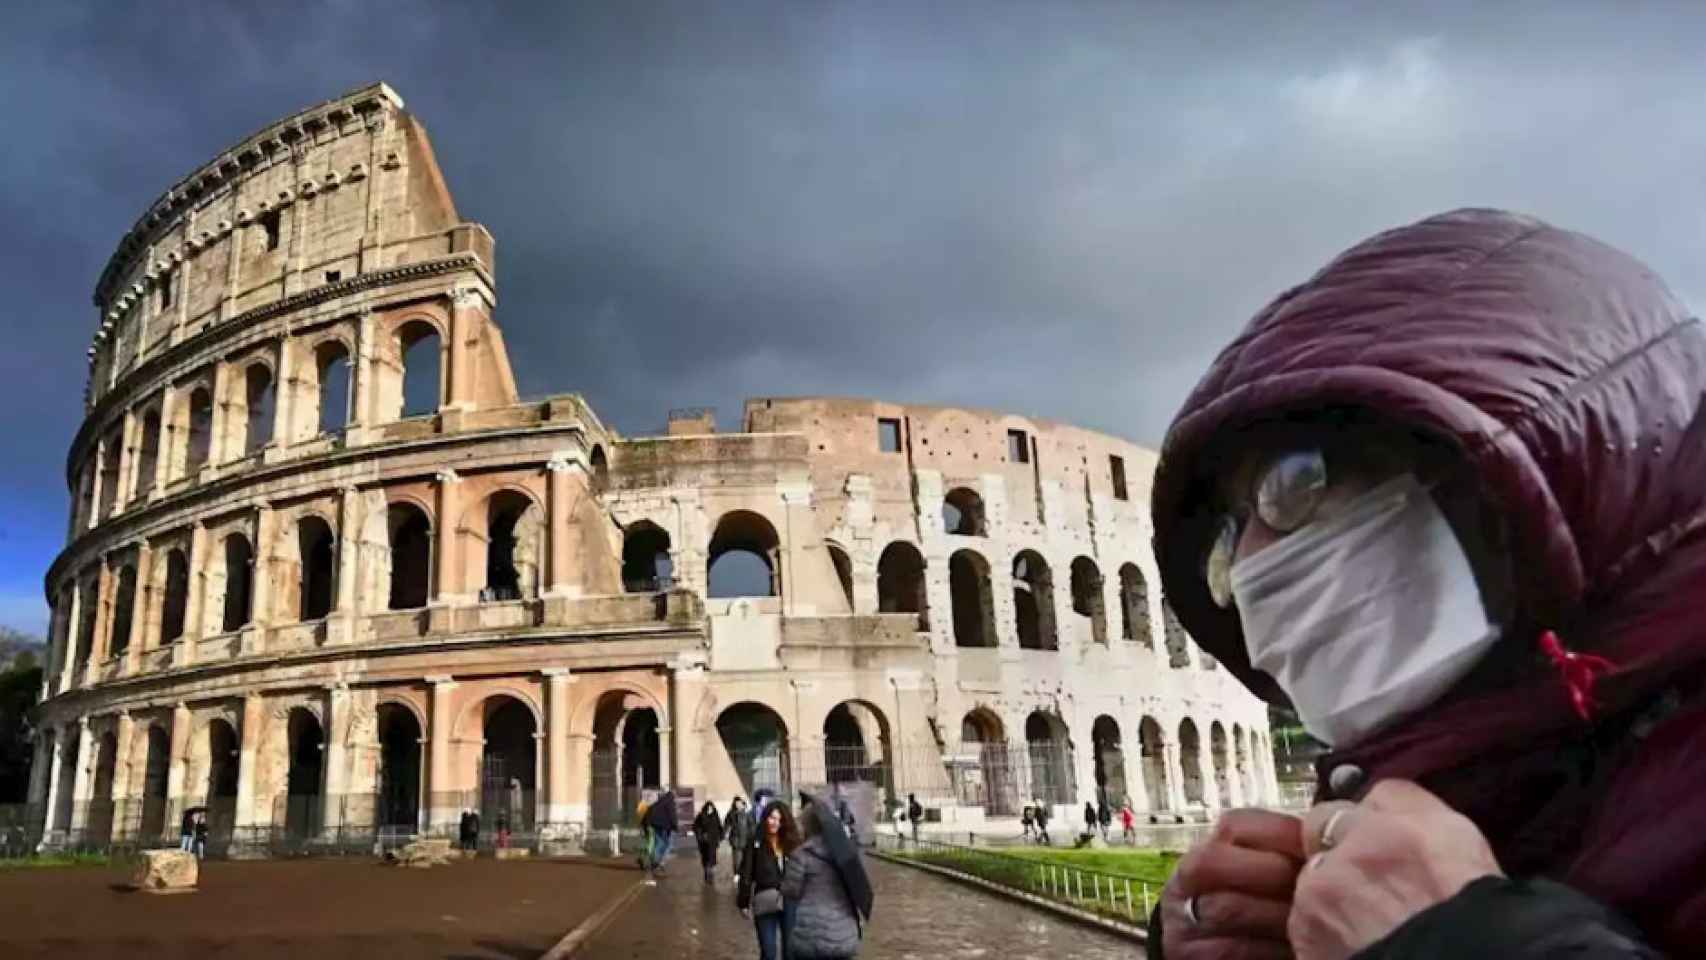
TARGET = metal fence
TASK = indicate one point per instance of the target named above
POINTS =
(1105, 894)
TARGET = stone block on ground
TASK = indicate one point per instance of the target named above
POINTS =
(167, 871)
(513, 853)
(430, 852)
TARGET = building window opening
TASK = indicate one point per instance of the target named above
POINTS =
(843, 572)
(507, 765)
(900, 582)
(270, 223)
(258, 395)
(166, 292)
(148, 456)
(744, 557)
(1087, 597)
(646, 566)
(333, 276)
(962, 513)
(418, 347)
(200, 428)
(124, 602)
(1178, 642)
(239, 572)
(332, 362)
(399, 767)
(974, 608)
(1116, 469)
(1033, 602)
(1134, 606)
(888, 435)
(314, 540)
(1018, 450)
(512, 547)
(307, 744)
(176, 600)
(411, 556)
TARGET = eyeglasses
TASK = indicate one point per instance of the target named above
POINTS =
(1286, 492)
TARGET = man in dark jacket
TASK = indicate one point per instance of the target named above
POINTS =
(914, 813)
(661, 818)
(738, 828)
(1444, 501)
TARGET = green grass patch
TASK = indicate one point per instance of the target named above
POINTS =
(58, 860)
(1022, 868)
(1150, 866)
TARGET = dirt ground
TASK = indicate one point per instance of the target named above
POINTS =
(323, 909)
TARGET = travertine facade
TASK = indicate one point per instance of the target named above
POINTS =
(300, 594)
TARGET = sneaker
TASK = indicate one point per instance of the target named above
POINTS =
(651, 882)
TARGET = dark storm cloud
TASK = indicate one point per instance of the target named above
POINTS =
(1050, 208)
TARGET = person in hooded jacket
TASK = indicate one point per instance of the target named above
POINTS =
(708, 833)
(738, 828)
(1444, 501)
(661, 820)
(827, 924)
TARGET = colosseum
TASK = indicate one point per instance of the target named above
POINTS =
(329, 576)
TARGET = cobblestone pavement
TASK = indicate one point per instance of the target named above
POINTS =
(918, 917)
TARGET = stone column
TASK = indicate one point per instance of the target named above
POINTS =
(73, 626)
(558, 707)
(464, 319)
(41, 762)
(123, 788)
(1234, 776)
(253, 638)
(1205, 771)
(361, 379)
(126, 462)
(447, 575)
(442, 799)
(249, 744)
(195, 602)
(566, 484)
(284, 402)
(95, 483)
(334, 773)
(1175, 776)
(163, 448)
(81, 782)
(51, 821)
(142, 608)
(176, 770)
(102, 615)
(340, 628)
(1131, 764)
(686, 689)
(216, 428)
(578, 790)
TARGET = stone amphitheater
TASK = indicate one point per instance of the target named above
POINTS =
(329, 576)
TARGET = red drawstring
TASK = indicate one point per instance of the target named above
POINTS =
(1578, 671)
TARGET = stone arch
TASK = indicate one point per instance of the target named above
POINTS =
(1134, 606)
(317, 563)
(103, 767)
(627, 753)
(963, 513)
(901, 587)
(420, 346)
(148, 450)
(305, 743)
(584, 720)
(646, 564)
(843, 565)
(1087, 597)
(175, 593)
(464, 729)
(973, 599)
(409, 535)
(1033, 602)
(259, 401)
(400, 731)
(857, 745)
(507, 545)
(150, 780)
(599, 464)
(331, 392)
(1241, 769)
(238, 578)
(1152, 742)
(1108, 760)
(1049, 744)
(1190, 761)
(1222, 762)
(508, 772)
(757, 741)
(744, 556)
(123, 611)
(198, 428)
(1178, 642)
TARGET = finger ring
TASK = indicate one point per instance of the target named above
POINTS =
(1191, 911)
(1327, 841)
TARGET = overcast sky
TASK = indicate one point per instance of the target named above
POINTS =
(1049, 208)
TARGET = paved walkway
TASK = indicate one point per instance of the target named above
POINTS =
(918, 917)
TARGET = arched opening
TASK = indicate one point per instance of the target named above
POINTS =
(974, 603)
(508, 765)
(856, 745)
(1178, 644)
(627, 755)
(124, 604)
(98, 819)
(513, 530)
(258, 400)
(1190, 761)
(1222, 763)
(411, 555)
(64, 794)
(220, 789)
(155, 771)
(843, 572)
(1109, 759)
(757, 743)
(991, 782)
(199, 442)
(319, 561)
(962, 513)
(1087, 597)
(1033, 602)
(88, 590)
(745, 557)
(600, 465)
(331, 361)
(176, 596)
(1241, 769)
(418, 350)
(900, 582)
(1154, 763)
(239, 572)
(1051, 758)
(1134, 606)
(148, 453)
(111, 449)
(646, 567)
(399, 768)
(306, 745)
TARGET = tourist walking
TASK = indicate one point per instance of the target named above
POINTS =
(201, 835)
(915, 813)
(1104, 817)
(740, 829)
(661, 820)
(708, 833)
(186, 831)
(763, 864)
(473, 831)
(1026, 822)
(1042, 825)
(833, 895)
(1090, 820)
(1128, 823)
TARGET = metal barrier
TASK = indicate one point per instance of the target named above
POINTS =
(1106, 894)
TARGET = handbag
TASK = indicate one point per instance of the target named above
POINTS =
(766, 902)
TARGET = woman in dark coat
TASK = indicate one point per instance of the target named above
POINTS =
(708, 833)
(762, 868)
(1531, 404)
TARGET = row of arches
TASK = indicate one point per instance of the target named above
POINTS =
(969, 585)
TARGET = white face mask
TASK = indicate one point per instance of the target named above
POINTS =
(1365, 616)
